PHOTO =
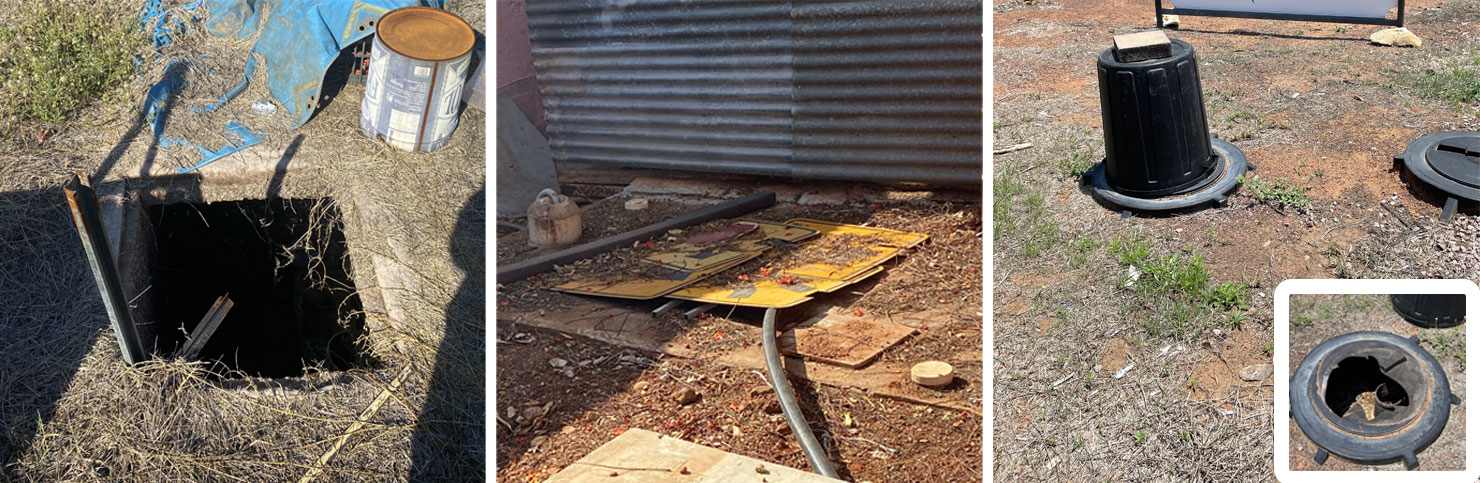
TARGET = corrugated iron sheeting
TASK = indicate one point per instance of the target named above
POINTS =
(883, 91)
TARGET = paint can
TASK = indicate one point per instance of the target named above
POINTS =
(419, 61)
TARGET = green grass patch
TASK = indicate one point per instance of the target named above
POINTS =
(1079, 252)
(1280, 193)
(1446, 344)
(1459, 85)
(1178, 290)
(1301, 320)
(62, 55)
(1020, 210)
(1077, 164)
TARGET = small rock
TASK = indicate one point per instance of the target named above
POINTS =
(685, 396)
(762, 469)
(641, 386)
(1398, 36)
(1171, 21)
(567, 429)
(636, 204)
(1256, 372)
(570, 372)
(557, 362)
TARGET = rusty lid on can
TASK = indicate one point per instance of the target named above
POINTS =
(425, 33)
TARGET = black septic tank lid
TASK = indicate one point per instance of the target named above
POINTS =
(1158, 152)
(1433, 311)
(1370, 397)
(1448, 161)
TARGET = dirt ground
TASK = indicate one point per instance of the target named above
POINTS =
(70, 410)
(551, 418)
(1314, 105)
(1316, 318)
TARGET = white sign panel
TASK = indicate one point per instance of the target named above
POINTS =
(1342, 8)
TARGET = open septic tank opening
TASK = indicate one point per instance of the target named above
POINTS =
(284, 264)
(1356, 377)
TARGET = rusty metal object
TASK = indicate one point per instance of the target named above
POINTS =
(553, 220)
(83, 202)
(207, 326)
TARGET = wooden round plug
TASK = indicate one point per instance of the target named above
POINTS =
(932, 373)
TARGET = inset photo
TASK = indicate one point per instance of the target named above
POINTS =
(1371, 376)
(1377, 382)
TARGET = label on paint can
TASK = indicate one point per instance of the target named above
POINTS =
(412, 104)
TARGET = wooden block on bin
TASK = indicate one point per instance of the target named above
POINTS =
(1148, 45)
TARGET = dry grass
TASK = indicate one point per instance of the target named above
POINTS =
(70, 410)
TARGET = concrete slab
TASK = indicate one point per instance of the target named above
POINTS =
(606, 321)
(644, 456)
(683, 188)
(525, 165)
(827, 195)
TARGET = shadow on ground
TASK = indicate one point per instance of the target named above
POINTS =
(447, 437)
(50, 314)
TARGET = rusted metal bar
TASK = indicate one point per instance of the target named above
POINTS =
(84, 204)
(207, 326)
(518, 271)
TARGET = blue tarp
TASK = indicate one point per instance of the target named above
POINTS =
(161, 25)
(299, 39)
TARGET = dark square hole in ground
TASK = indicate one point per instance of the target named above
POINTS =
(284, 263)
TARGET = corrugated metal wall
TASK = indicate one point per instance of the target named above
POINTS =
(884, 90)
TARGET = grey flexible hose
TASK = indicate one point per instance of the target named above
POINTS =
(816, 456)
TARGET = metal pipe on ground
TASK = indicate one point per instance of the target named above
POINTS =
(525, 269)
(816, 455)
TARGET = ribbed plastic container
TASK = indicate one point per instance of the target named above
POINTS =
(418, 64)
(1431, 310)
(1156, 133)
